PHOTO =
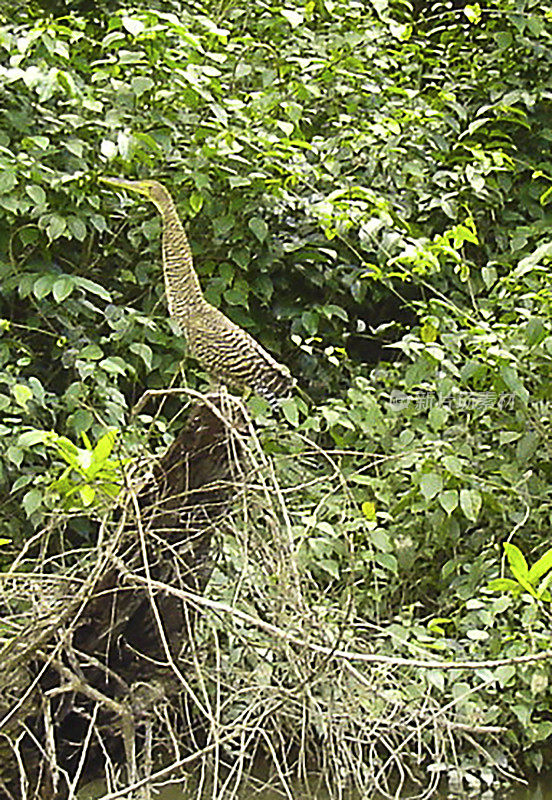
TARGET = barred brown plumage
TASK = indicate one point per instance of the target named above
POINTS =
(228, 352)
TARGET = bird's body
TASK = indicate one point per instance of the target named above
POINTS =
(226, 351)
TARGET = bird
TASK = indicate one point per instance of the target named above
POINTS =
(230, 354)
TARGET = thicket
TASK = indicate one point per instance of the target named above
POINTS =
(367, 189)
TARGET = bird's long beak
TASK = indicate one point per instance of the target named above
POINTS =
(123, 183)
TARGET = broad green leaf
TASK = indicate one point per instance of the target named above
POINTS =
(22, 394)
(504, 585)
(7, 181)
(294, 17)
(540, 567)
(516, 560)
(259, 227)
(473, 13)
(196, 202)
(453, 465)
(92, 352)
(30, 438)
(527, 446)
(115, 365)
(535, 331)
(428, 333)
(77, 228)
(87, 494)
(510, 377)
(141, 84)
(290, 411)
(15, 455)
(44, 285)
(133, 26)
(92, 287)
(504, 674)
(470, 503)
(32, 501)
(387, 561)
(81, 420)
(430, 485)
(63, 288)
(144, 351)
(369, 510)
(56, 227)
(448, 500)
(436, 678)
(75, 146)
(108, 149)
(105, 445)
(36, 193)
(380, 539)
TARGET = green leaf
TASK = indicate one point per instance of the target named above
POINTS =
(470, 503)
(290, 411)
(369, 510)
(196, 202)
(32, 501)
(22, 394)
(56, 227)
(30, 438)
(133, 26)
(504, 674)
(44, 285)
(449, 500)
(294, 17)
(473, 13)
(105, 445)
(77, 228)
(92, 352)
(259, 227)
(92, 287)
(527, 446)
(516, 560)
(510, 377)
(504, 39)
(108, 149)
(75, 146)
(540, 567)
(7, 181)
(504, 585)
(141, 84)
(63, 288)
(430, 484)
(87, 494)
(15, 455)
(144, 351)
(535, 331)
(36, 193)
(453, 465)
(114, 365)
(387, 561)
(80, 421)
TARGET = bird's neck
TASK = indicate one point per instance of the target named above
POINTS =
(182, 285)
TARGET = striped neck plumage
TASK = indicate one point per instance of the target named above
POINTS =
(182, 286)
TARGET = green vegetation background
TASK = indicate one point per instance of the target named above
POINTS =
(354, 175)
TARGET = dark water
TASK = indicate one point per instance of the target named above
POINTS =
(537, 789)
(540, 789)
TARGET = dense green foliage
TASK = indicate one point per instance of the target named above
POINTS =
(353, 175)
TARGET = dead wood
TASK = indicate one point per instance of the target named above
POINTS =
(82, 682)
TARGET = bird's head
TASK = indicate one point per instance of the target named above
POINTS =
(153, 190)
